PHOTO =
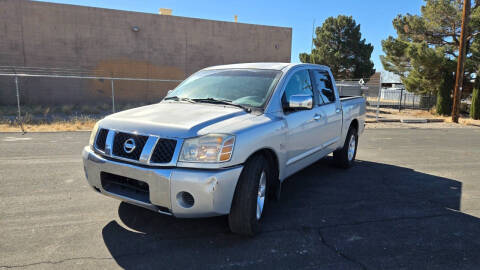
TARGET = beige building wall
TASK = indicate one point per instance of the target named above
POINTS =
(103, 42)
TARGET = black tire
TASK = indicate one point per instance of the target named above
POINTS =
(340, 156)
(243, 212)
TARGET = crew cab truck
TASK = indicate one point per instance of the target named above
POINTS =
(222, 141)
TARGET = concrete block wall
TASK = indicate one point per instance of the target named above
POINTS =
(102, 42)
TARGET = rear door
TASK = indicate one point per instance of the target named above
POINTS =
(329, 107)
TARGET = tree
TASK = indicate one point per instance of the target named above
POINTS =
(428, 66)
(339, 44)
(444, 95)
(426, 48)
(475, 106)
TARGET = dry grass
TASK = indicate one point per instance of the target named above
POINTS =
(66, 109)
(74, 125)
(67, 117)
(87, 123)
(46, 118)
(464, 121)
(388, 113)
(408, 113)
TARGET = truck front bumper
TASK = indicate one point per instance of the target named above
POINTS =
(212, 190)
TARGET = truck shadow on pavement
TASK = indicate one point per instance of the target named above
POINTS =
(373, 215)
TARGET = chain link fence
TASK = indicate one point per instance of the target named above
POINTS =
(378, 96)
(385, 97)
(46, 96)
(402, 99)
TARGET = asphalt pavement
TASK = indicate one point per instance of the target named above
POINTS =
(411, 202)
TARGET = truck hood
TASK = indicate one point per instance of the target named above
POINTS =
(174, 119)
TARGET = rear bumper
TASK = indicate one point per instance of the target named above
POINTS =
(212, 190)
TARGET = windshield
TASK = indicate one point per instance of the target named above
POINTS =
(248, 87)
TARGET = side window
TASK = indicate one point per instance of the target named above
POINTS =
(299, 84)
(324, 85)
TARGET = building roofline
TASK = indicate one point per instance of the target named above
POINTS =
(154, 14)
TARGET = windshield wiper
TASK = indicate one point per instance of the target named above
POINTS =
(179, 99)
(221, 101)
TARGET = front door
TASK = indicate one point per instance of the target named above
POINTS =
(330, 108)
(303, 125)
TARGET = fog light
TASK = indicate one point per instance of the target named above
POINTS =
(185, 199)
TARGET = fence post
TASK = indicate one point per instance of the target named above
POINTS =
(113, 96)
(379, 94)
(18, 105)
(401, 96)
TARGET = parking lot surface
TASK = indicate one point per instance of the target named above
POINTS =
(411, 202)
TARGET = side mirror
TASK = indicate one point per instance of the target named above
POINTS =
(302, 102)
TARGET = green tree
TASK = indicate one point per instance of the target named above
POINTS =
(426, 48)
(339, 45)
(475, 107)
(444, 95)
(427, 68)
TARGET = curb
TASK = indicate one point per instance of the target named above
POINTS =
(436, 120)
(407, 121)
(418, 120)
(388, 120)
(383, 121)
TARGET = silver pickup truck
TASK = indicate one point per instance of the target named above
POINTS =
(223, 141)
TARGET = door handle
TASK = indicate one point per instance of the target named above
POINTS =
(338, 110)
(317, 117)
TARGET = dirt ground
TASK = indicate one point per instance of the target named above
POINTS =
(417, 125)
(385, 113)
(390, 114)
(50, 127)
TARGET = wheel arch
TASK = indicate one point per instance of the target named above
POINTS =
(354, 123)
(273, 161)
(346, 127)
(272, 158)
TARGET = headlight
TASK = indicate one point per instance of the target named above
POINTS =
(208, 148)
(92, 135)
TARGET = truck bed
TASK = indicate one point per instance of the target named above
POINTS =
(354, 107)
(343, 98)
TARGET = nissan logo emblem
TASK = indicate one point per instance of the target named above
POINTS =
(129, 146)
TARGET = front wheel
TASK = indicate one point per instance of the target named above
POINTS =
(345, 157)
(250, 197)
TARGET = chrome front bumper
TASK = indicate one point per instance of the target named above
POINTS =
(212, 190)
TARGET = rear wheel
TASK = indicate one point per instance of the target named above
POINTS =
(345, 157)
(250, 197)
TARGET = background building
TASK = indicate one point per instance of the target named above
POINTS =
(104, 42)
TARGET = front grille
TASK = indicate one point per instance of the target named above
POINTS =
(124, 186)
(101, 139)
(163, 151)
(119, 141)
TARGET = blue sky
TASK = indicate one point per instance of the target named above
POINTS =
(374, 16)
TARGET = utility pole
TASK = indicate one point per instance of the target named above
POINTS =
(461, 61)
(313, 37)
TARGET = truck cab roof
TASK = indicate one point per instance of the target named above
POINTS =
(264, 65)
